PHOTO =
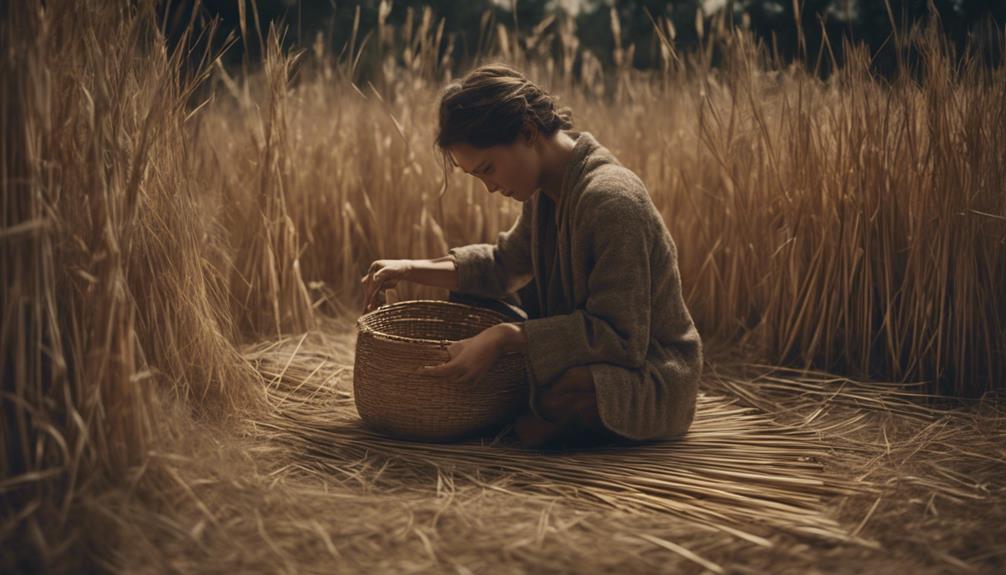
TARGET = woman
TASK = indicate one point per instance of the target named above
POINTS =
(611, 350)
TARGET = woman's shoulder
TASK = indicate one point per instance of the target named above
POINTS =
(602, 175)
(612, 189)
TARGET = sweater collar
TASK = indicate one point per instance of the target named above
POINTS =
(584, 146)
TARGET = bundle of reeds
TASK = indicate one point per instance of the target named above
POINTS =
(110, 295)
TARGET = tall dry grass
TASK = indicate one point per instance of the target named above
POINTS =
(854, 224)
(114, 285)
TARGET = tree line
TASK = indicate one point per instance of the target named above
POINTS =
(801, 30)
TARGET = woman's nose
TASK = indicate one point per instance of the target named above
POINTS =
(490, 187)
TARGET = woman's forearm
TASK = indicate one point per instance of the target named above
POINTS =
(439, 272)
(510, 337)
(442, 272)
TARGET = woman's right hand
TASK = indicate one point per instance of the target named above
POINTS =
(382, 275)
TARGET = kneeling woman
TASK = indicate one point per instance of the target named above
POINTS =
(612, 351)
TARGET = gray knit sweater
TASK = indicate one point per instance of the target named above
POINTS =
(608, 294)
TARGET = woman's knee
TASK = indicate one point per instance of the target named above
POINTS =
(577, 379)
(570, 390)
(563, 406)
(572, 398)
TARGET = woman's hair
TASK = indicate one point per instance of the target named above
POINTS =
(490, 106)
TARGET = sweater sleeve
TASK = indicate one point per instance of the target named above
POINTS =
(614, 324)
(494, 271)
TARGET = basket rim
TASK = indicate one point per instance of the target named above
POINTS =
(443, 343)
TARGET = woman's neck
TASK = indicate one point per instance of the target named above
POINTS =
(556, 153)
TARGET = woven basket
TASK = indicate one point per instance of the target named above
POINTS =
(394, 399)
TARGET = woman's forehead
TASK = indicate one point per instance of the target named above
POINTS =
(470, 156)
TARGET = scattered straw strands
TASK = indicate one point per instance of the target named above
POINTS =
(859, 420)
(736, 472)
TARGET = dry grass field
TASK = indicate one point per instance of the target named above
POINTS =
(181, 249)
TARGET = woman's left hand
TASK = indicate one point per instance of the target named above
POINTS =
(470, 359)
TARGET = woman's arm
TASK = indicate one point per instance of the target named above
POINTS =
(440, 272)
(510, 337)
(491, 270)
(495, 270)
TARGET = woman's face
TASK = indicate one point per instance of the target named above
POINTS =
(511, 169)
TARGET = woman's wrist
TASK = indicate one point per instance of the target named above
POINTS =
(408, 271)
(510, 337)
(440, 272)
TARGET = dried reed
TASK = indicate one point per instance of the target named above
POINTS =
(852, 224)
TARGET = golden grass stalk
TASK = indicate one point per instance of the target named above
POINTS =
(108, 294)
(851, 224)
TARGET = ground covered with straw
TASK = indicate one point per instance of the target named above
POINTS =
(782, 471)
(179, 241)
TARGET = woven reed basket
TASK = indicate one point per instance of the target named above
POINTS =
(394, 399)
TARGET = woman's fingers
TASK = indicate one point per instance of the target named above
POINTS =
(372, 288)
(368, 296)
(372, 285)
(367, 282)
(451, 369)
(382, 275)
(459, 376)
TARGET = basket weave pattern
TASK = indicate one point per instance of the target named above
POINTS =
(394, 399)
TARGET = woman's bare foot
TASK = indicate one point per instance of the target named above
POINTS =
(536, 432)
(570, 414)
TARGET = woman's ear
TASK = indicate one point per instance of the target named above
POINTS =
(529, 133)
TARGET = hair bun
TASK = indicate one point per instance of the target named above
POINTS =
(491, 105)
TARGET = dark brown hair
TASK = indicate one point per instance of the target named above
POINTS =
(492, 105)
